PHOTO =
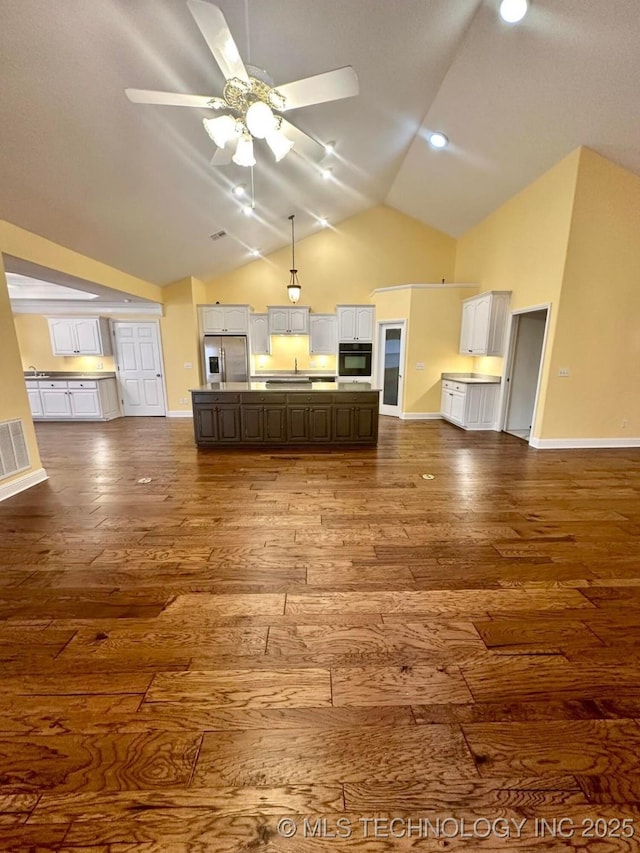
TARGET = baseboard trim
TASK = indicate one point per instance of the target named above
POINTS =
(20, 484)
(582, 443)
(420, 416)
(178, 413)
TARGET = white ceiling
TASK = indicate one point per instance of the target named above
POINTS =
(131, 184)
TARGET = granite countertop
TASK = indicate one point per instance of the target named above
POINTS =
(302, 386)
(68, 374)
(472, 378)
(261, 376)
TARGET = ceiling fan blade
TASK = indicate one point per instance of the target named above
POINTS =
(303, 144)
(223, 156)
(330, 86)
(217, 35)
(169, 99)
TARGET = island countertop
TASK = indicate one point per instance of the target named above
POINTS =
(238, 387)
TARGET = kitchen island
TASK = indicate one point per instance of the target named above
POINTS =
(252, 414)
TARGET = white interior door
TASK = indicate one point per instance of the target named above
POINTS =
(391, 367)
(525, 372)
(139, 364)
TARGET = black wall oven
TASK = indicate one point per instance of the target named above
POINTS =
(354, 359)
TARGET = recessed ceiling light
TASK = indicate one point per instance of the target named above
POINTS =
(238, 191)
(323, 223)
(247, 210)
(255, 253)
(126, 300)
(329, 148)
(513, 11)
(326, 174)
(438, 140)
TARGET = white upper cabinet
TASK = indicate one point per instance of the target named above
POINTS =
(224, 319)
(355, 322)
(284, 320)
(259, 334)
(484, 319)
(323, 334)
(80, 336)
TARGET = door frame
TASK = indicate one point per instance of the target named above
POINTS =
(156, 324)
(378, 376)
(512, 338)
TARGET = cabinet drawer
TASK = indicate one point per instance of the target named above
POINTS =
(81, 383)
(209, 398)
(254, 397)
(311, 398)
(53, 383)
(364, 398)
(32, 384)
(454, 386)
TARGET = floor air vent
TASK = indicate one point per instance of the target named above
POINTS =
(14, 455)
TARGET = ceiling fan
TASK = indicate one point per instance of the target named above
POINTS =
(253, 104)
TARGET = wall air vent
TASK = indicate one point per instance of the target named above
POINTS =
(14, 455)
(218, 235)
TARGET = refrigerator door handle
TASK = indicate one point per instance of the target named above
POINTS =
(223, 366)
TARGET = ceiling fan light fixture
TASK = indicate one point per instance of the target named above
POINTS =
(438, 140)
(513, 11)
(244, 152)
(221, 130)
(260, 119)
(279, 144)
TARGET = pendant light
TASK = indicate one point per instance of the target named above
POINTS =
(293, 288)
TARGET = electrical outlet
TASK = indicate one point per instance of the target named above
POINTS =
(624, 423)
(183, 401)
(563, 371)
(188, 365)
(99, 365)
(420, 365)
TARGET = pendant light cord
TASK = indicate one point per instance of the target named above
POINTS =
(293, 242)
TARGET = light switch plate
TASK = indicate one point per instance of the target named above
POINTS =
(420, 365)
(188, 365)
(563, 371)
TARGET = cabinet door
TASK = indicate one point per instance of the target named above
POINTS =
(297, 423)
(343, 423)
(275, 423)
(364, 324)
(278, 321)
(212, 320)
(85, 403)
(63, 337)
(205, 423)
(56, 403)
(445, 402)
(35, 402)
(480, 336)
(252, 423)
(236, 320)
(320, 423)
(466, 331)
(298, 321)
(88, 337)
(365, 423)
(228, 423)
(347, 324)
(260, 340)
(457, 407)
(322, 335)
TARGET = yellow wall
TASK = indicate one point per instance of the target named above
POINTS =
(522, 247)
(285, 349)
(598, 330)
(14, 402)
(180, 343)
(343, 264)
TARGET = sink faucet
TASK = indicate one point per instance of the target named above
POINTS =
(295, 362)
(34, 368)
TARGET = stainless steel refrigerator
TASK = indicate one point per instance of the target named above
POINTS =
(226, 358)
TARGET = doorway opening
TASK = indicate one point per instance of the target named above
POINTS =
(390, 368)
(524, 367)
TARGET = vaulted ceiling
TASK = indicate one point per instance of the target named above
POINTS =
(132, 184)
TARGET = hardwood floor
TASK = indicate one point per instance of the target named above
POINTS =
(320, 637)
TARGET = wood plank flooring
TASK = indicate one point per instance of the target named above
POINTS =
(324, 638)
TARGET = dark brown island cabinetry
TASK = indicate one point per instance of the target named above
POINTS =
(264, 417)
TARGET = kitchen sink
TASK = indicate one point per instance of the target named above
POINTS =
(290, 380)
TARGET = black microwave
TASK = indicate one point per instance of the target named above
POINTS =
(354, 359)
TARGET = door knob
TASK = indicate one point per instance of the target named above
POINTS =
(158, 375)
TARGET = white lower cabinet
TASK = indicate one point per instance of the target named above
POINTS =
(74, 399)
(470, 406)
